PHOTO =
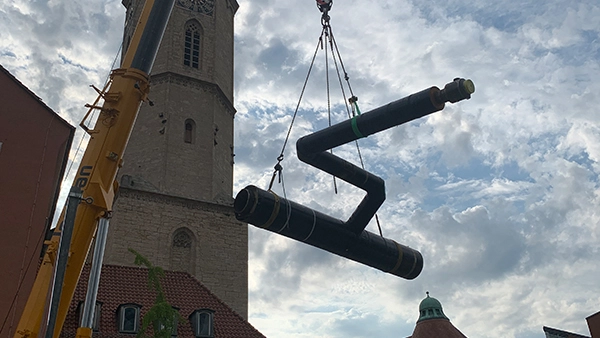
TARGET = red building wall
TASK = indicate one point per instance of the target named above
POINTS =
(593, 322)
(34, 146)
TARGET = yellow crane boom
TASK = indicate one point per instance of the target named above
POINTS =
(96, 177)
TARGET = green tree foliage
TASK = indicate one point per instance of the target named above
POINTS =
(161, 319)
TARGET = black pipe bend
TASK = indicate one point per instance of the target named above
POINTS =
(348, 239)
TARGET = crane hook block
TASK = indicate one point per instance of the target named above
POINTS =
(349, 239)
(324, 5)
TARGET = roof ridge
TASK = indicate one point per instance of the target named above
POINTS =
(553, 330)
(219, 299)
(197, 282)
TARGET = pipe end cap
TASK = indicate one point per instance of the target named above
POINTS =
(469, 86)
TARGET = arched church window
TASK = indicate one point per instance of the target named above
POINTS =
(190, 131)
(191, 52)
(182, 240)
(183, 251)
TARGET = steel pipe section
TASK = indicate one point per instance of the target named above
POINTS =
(348, 239)
(267, 210)
(393, 114)
(312, 149)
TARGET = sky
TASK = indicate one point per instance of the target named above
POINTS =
(499, 193)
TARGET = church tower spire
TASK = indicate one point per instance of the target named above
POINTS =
(175, 196)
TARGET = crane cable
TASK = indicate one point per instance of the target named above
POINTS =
(352, 111)
(278, 168)
(328, 92)
(353, 100)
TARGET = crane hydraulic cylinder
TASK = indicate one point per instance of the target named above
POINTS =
(348, 239)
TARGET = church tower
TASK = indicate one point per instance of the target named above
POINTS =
(175, 202)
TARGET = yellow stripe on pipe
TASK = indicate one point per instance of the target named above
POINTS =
(399, 261)
(274, 213)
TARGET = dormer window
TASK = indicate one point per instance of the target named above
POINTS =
(202, 323)
(158, 326)
(128, 317)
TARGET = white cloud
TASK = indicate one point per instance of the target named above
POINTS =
(499, 192)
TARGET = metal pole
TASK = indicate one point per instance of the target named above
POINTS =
(87, 319)
(63, 254)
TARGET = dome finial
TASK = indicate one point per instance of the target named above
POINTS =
(430, 308)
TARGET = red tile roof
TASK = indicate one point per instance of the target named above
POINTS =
(436, 328)
(122, 285)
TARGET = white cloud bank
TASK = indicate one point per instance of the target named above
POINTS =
(500, 193)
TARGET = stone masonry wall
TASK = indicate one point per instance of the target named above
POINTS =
(147, 222)
(175, 203)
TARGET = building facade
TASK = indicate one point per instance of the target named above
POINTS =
(556, 333)
(175, 202)
(34, 147)
(593, 322)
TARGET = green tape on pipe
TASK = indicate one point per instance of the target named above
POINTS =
(355, 128)
(357, 109)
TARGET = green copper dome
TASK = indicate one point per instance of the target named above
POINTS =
(431, 308)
